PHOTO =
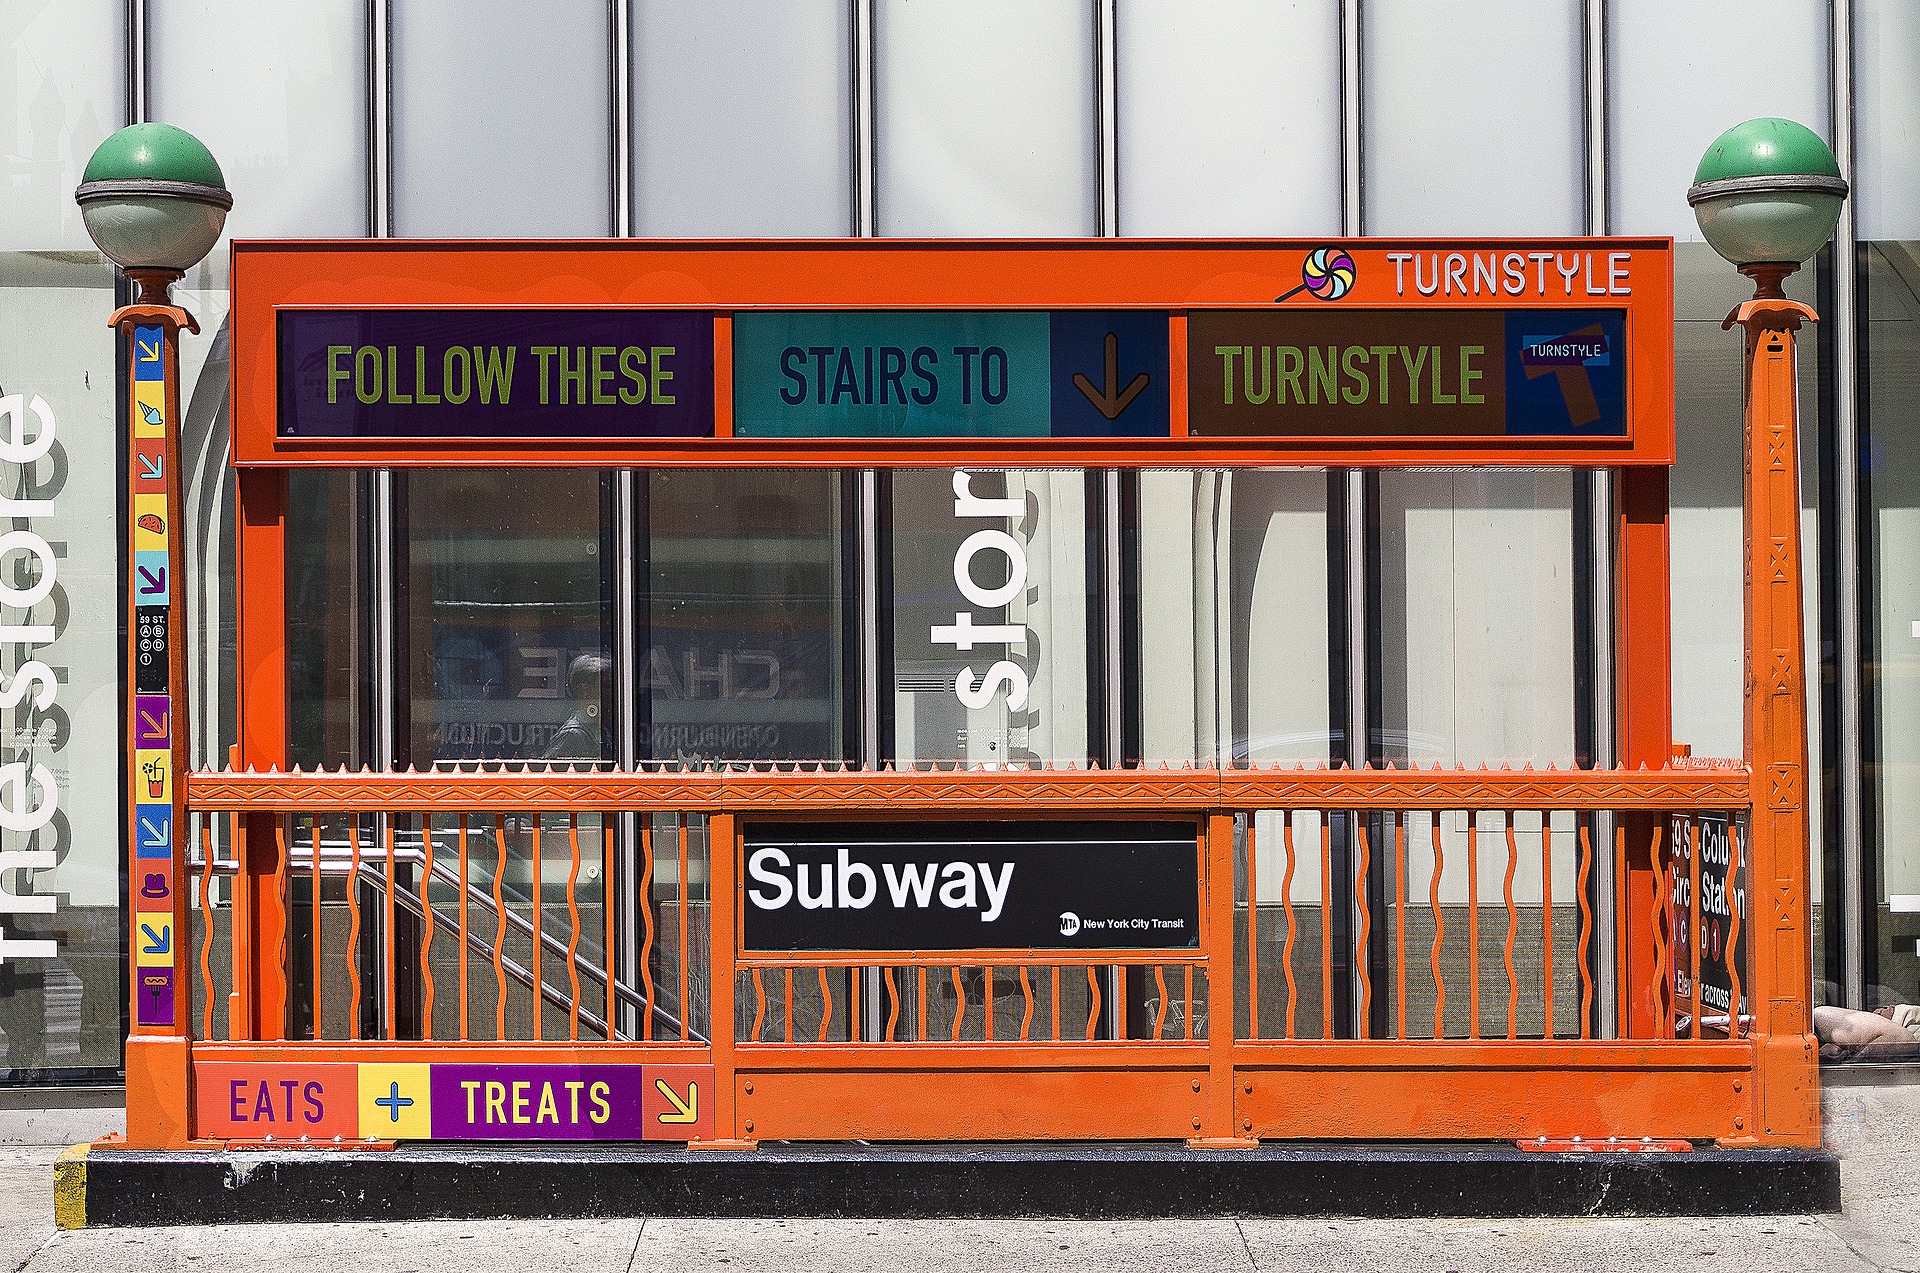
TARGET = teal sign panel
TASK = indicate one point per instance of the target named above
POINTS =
(950, 374)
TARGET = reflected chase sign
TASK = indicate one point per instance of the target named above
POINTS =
(971, 886)
(495, 373)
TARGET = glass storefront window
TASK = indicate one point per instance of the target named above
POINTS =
(62, 984)
(1234, 616)
(991, 599)
(508, 616)
(741, 656)
(1891, 479)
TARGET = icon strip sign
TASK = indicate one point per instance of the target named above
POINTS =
(242, 1100)
(150, 583)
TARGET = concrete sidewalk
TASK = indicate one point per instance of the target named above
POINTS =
(1875, 1130)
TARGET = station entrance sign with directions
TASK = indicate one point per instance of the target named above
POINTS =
(1112, 353)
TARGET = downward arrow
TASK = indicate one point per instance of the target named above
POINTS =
(1113, 400)
(153, 467)
(689, 1108)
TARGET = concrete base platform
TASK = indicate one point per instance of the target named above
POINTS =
(1131, 1181)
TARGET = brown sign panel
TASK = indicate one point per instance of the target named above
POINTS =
(1405, 373)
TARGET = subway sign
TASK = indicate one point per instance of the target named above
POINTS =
(1369, 351)
(909, 886)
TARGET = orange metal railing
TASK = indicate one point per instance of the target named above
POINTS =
(1455, 967)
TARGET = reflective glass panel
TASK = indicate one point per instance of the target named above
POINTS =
(742, 652)
(991, 596)
(507, 629)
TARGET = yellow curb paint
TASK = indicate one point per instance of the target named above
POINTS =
(70, 1187)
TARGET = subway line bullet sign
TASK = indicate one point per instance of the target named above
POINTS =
(417, 1101)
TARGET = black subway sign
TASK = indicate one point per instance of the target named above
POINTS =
(913, 886)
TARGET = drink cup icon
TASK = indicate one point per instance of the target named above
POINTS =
(156, 775)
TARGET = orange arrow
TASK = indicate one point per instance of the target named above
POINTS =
(689, 1108)
(1113, 400)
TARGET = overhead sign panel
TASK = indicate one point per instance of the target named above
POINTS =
(495, 373)
(953, 374)
(1369, 352)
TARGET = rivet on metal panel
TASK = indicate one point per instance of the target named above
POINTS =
(1196, 1124)
(749, 1124)
(1196, 1085)
(1247, 1123)
(1736, 1085)
(749, 1087)
(1739, 1124)
(1249, 1089)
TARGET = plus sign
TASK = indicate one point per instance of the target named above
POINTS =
(393, 1102)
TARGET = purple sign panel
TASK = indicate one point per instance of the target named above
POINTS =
(539, 1102)
(495, 373)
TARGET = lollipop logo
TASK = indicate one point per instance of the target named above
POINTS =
(1327, 274)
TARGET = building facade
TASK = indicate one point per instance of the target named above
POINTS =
(439, 618)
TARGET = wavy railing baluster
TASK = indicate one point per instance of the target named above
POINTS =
(1160, 1015)
(759, 1005)
(206, 916)
(1586, 929)
(426, 940)
(645, 902)
(1365, 936)
(500, 929)
(1513, 932)
(1286, 950)
(1735, 1028)
(573, 922)
(1093, 1001)
(959, 1004)
(826, 1010)
(1026, 993)
(353, 925)
(1439, 933)
(1663, 1007)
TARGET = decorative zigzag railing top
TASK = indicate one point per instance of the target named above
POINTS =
(792, 788)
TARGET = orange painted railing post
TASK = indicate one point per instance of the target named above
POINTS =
(1785, 1096)
(1217, 1128)
(732, 1128)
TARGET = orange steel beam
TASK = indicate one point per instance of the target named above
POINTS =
(1785, 1101)
(798, 790)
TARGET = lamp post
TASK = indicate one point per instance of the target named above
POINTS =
(1767, 194)
(154, 201)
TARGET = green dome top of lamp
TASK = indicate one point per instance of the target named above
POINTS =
(1767, 195)
(154, 200)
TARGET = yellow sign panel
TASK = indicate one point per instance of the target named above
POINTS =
(149, 409)
(149, 521)
(396, 1101)
(153, 776)
(153, 941)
